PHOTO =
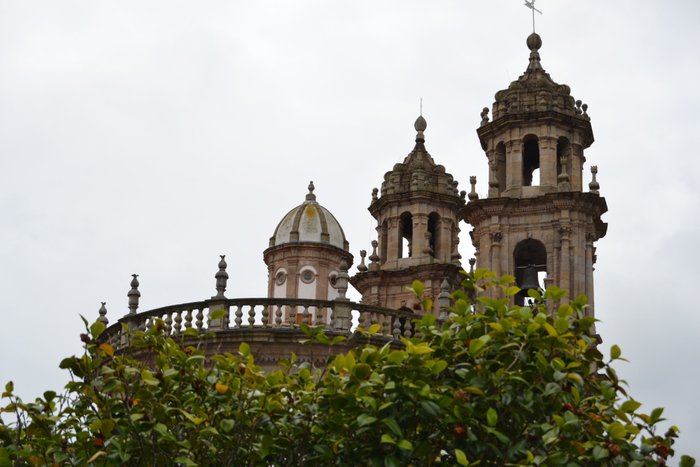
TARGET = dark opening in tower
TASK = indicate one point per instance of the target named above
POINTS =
(531, 161)
(405, 235)
(530, 259)
(434, 234)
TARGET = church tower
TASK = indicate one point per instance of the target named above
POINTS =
(537, 216)
(417, 215)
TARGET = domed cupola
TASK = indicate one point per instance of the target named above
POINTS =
(305, 254)
(309, 222)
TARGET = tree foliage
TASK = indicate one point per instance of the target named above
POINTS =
(495, 384)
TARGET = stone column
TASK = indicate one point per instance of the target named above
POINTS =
(419, 241)
(495, 259)
(590, 238)
(565, 268)
(548, 161)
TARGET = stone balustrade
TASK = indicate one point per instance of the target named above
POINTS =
(243, 315)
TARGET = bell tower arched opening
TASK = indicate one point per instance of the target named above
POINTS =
(531, 161)
(530, 262)
(405, 235)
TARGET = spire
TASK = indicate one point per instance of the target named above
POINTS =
(310, 196)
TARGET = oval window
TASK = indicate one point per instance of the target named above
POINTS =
(308, 276)
(280, 277)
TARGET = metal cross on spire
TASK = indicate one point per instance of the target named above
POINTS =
(531, 5)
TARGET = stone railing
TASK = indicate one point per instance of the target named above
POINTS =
(245, 314)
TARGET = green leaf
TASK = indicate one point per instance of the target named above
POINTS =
(417, 287)
(364, 420)
(217, 314)
(491, 417)
(374, 329)
(656, 414)
(615, 352)
(392, 425)
(630, 406)
(600, 453)
(617, 431)
(387, 439)
(430, 408)
(96, 329)
(405, 445)
(461, 457)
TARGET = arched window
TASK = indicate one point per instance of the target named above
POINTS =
(434, 234)
(530, 259)
(405, 235)
(531, 161)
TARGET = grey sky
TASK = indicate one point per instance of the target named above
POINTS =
(150, 137)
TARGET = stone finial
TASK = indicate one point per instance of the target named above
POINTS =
(456, 257)
(374, 257)
(420, 127)
(484, 116)
(134, 294)
(428, 250)
(578, 110)
(342, 280)
(103, 314)
(362, 266)
(472, 262)
(594, 186)
(563, 177)
(444, 299)
(310, 196)
(463, 195)
(584, 107)
(221, 278)
(375, 191)
(473, 196)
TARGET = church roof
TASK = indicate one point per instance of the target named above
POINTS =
(536, 91)
(309, 222)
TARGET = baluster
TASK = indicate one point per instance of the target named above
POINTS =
(168, 324)
(397, 327)
(278, 316)
(266, 316)
(188, 319)
(366, 321)
(292, 316)
(178, 322)
(305, 315)
(199, 323)
(251, 316)
(386, 325)
(239, 316)
(407, 327)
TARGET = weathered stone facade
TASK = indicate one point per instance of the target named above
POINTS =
(549, 225)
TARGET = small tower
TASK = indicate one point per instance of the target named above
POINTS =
(536, 215)
(417, 217)
(305, 253)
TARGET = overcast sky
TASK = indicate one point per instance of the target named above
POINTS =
(151, 136)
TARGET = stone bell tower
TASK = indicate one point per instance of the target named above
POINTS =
(537, 216)
(417, 213)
